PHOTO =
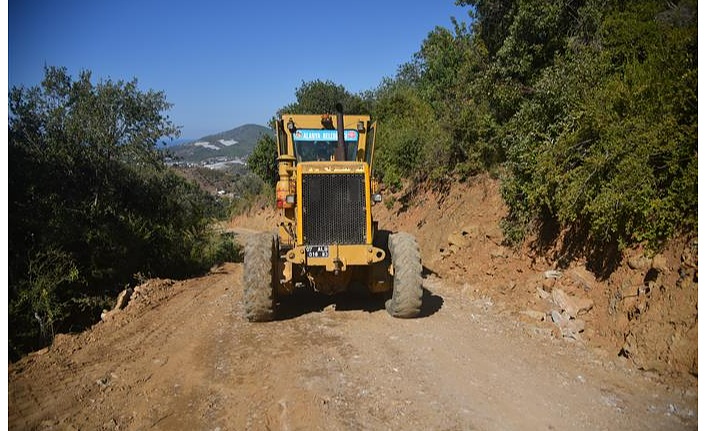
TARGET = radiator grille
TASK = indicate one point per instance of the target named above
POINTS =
(334, 208)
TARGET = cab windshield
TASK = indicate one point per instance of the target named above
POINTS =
(311, 145)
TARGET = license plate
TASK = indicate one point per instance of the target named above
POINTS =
(317, 251)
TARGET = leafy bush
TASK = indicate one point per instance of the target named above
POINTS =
(91, 203)
(408, 134)
(40, 299)
(586, 110)
(263, 160)
(608, 140)
(317, 97)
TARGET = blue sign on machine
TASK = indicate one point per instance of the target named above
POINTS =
(324, 135)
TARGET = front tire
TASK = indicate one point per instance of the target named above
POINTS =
(406, 301)
(259, 277)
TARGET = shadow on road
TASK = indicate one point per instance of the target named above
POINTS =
(431, 303)
(306, 301)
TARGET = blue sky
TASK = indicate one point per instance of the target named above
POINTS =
(222, 63)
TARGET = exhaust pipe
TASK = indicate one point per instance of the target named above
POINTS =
(340, 155)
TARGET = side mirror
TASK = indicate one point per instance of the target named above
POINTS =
(377, 198)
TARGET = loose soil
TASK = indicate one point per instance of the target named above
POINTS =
(486, 353)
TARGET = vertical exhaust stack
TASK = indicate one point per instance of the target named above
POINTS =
(340, 155)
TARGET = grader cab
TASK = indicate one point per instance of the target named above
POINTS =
(326, 238)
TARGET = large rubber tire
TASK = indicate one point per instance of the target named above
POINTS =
(406, 301)
(258, 277)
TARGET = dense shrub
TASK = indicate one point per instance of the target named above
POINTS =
(587, 109)
(608, 139)
(91, 203)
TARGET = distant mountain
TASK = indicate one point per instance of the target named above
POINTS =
(234, 144)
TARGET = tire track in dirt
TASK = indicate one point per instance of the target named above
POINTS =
(251, 377)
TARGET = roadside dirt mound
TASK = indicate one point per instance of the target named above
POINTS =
(258, 218)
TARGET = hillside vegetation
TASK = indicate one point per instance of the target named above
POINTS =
(92, 207)
(588, 107)
(587, 110)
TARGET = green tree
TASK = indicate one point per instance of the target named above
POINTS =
(586, 108)
(453, 66)
(457, 129)
(607, 142)
(263, 160)
(91, 203)
(317, 97)
(407, 131)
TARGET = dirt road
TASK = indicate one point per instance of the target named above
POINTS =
(181, 356)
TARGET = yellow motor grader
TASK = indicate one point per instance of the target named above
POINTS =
(326, 238)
